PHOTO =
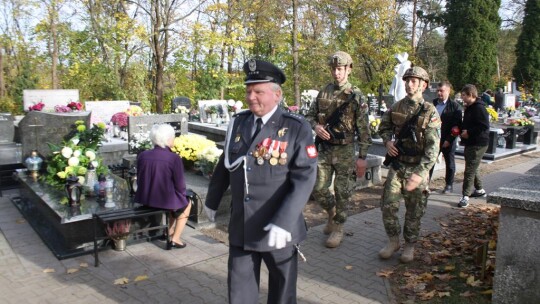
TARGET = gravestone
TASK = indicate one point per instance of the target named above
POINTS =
(517, 266)
(431, 91)
(509, 100)
(143, 124)
(306, 99)
(180, 101)
(373, 104)
(203, 104)
(50, 98)
(7, 128)
(37, 129)
(102, 111)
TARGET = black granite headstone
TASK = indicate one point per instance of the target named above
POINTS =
(511, 138)
(492, 143)
(180, 101)
(7, 129)
(39, 128)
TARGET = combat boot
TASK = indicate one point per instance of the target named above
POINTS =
(330, 224)
(391, 247)
(408, 253)
(335, 237)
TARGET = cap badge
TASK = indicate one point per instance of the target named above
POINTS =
(252, 65)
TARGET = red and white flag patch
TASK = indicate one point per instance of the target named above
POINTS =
(311, 151)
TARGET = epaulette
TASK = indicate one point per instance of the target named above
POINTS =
(245, 112)
(298, 117)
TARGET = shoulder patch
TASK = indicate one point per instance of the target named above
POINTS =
(294, 115)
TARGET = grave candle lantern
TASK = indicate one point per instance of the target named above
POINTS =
(73, 190)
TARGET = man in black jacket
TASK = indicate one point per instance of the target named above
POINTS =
(451, 113)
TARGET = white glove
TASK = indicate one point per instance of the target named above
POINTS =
(211, 214)
(278, 236)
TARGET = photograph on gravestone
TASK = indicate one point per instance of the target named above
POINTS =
(139, 127)
(180, 101)
(50, 98)
(102, 111)
(37, 129)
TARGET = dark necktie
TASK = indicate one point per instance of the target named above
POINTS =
(258, 128)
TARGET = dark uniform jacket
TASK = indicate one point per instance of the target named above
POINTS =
(273, 194)
(451, 116)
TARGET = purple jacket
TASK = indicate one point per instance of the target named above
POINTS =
(160, 179)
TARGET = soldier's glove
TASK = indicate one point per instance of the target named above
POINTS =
(278, 237)
(211, 214)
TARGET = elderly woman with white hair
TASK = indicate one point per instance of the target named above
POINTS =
(161, 182)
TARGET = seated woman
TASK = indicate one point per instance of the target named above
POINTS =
(161, 182)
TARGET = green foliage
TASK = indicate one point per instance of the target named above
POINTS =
(472, 29)
(209, 79)
(527, 69)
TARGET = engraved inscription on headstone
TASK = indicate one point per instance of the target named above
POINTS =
(180, 101)
(39, 128)
(144, 123)
(7, 128)
(102, 111)
(50, 98)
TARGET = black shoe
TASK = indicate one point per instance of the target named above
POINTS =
(173, 245)
(448, 189)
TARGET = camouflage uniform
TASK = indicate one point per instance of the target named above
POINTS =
(337, 156)
(427, 147)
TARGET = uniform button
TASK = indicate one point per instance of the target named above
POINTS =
(250, 153)
(249, 168)
(247, 199)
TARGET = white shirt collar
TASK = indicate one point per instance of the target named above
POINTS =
(266, 117)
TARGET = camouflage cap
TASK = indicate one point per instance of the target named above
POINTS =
(416, 72)
(340, 58)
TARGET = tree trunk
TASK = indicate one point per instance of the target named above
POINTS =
(296, 68)
(413, 30)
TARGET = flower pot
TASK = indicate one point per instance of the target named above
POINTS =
(119, 244)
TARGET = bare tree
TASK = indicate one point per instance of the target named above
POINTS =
(164, 16)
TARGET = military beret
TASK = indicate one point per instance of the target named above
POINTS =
(258, 71)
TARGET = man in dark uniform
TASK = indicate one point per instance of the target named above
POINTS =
(451, 115)
(270, 163)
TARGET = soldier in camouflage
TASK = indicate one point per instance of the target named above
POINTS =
(408, 177)
(336, 134)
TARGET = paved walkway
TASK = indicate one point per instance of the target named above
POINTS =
(198, 273)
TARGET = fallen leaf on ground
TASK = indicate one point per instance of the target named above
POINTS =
(427, 295)
(384, 273)
(83, 265)
(121, 281)
(48, 270)
(72, 270)
(20, 221)
(449, 267)
(443, 294)
(467, 294)
(141, 278)
(348, 267)
(487, 292)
